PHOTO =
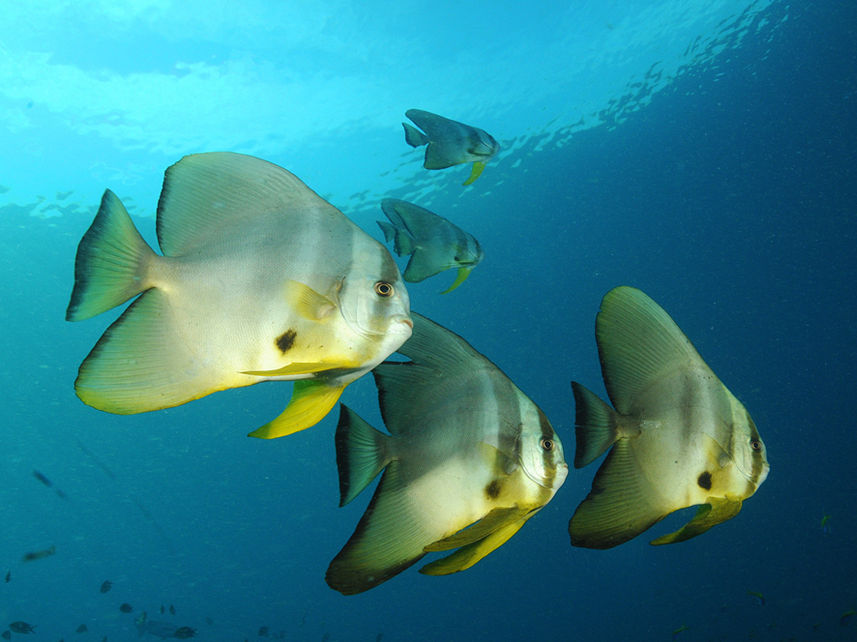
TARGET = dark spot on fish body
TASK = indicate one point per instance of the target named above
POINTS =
(286, 340)
(704, 480)
(492, 490)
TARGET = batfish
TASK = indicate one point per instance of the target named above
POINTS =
(679, 438)
(434, 243)
(450, 142)
(470, 458)
(260, 279)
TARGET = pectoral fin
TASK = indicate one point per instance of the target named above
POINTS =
(311, 401)
(307, 302)
(717, 510)
(478, 166)
(463, 273)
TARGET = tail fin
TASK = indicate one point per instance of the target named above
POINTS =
(413, 136)
(111, 262)
(595, 423)
(389, 231)
(360, 454)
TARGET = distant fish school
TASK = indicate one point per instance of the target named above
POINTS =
(261, 279)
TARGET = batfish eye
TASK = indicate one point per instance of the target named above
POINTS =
(384, 289)
(755, 444)
(546, 444)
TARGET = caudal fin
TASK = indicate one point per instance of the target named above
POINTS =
(360, 454)
(413, 136)
(595, 425)
(111, 263)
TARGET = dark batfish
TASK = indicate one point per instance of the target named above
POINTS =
(22, 627)
(82, 629)
(106, 585)
(434, 243)
(449, 142)
(125, 607)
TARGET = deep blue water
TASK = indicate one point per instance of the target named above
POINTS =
(726, 189)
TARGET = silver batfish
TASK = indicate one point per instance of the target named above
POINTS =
(470, 458)
(260, 279)
(679, 438)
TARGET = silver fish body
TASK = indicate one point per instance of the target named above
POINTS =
(469, 460)
(260, 280)
(678, 437)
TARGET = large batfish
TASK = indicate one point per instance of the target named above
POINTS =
(260, 279)
(679, 437)
(470, 458)
(450, 142)
(434, 243)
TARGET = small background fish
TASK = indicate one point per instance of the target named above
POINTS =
(434, 243)
(450, 142)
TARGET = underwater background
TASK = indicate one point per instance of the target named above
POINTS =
(701, 151)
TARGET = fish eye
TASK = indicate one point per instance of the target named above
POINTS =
(384, 289)
(546, 444)
(755, 444)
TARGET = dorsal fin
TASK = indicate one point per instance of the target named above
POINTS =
(205, 194)
(638, 343)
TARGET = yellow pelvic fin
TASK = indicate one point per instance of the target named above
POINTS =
(467, 556)
(478, 166)
(463, 273)
(495, 520)
(718, 509)
(311, 401)
(307, 302)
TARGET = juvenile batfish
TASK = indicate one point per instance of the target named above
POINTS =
(433, 242)
(679, 437)
(450, 142)
(260, 279)
(470, 458)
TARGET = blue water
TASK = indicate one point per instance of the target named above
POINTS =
(705, 155)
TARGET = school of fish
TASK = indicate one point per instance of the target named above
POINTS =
(261, 279)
